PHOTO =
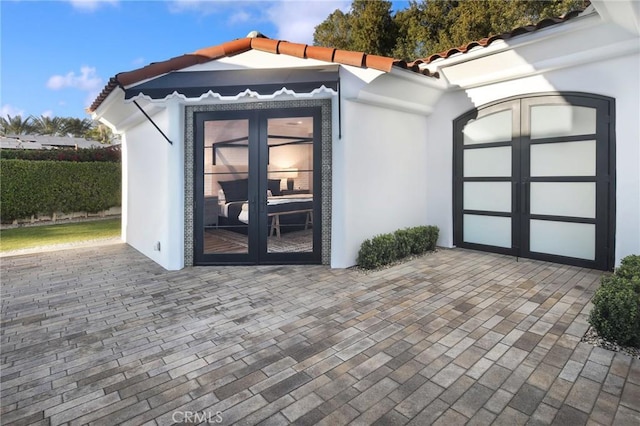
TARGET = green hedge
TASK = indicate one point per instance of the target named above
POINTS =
(387, 248)
(109, 154)
(616, 304)
(33, 187)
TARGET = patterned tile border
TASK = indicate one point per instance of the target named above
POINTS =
(324, 104)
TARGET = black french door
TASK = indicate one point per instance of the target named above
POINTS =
(257, 183)
(534, 178)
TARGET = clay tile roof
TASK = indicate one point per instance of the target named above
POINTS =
(504, 36)
(257, 42)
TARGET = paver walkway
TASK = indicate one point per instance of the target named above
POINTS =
(105, 336)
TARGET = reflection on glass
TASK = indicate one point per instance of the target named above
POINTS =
(226, 207)
(290, 185)
(562, 120)
(496, 127)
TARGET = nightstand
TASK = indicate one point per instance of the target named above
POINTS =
(210, 211)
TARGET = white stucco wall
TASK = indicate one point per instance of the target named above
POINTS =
(618, 78)
(379, 177)
(152, 184)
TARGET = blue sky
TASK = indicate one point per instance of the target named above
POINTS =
(56, 56)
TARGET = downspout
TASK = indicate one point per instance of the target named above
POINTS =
(339, 111)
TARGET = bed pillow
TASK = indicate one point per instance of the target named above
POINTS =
(274, 187)
(235, 190)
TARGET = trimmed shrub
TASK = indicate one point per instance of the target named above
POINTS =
(424, 238)
(616, 310)
(387, 248)
(404, 242)
(33, 187)
(107, 154)
(377, 252)
(629, 267)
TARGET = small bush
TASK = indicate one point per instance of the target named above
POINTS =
(377, 252)
(423, 238)
(387, 248)
(629, 267)
(616, 311)
(404, 242)
(616, 304)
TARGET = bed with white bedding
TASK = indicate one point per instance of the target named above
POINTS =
(291, 211)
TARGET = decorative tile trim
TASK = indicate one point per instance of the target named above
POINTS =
(326, 164)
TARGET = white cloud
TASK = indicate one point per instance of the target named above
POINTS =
(239, 17)
(11, 110)
(203, 7)
(292, 23)
(91, 5)
(87, 80)
(47, 113)
(297, 27)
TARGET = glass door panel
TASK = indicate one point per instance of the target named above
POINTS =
(487, 230)
(562, 120)
(226, 187)
(484, 170)
(563, 159)
(567, 239)
(494, 127)
(487, 162)
(487, 196)
(550, 198)
(290, 203)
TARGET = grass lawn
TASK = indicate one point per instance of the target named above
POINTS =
(35, 236)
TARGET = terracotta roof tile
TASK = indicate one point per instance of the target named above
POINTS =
(265, 44)
(326, 54)
(347, 57)
(382, 62)
(320, 53)
(235, 47)
(504, 36)
(292, 49)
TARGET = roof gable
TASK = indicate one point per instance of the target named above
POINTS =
(235, 47)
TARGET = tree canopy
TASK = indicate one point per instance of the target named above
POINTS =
(56, 126)
(430, 26)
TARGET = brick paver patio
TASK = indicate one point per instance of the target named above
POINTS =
(105, 336)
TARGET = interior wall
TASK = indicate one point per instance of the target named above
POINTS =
(596, 78)
(381, 178)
